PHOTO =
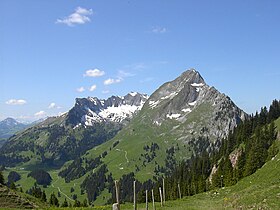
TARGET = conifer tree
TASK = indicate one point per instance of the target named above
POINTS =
(2, 181)
(54, 200)
(65, 203)
(85, 203)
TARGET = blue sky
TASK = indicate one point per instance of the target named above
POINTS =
(54, 51)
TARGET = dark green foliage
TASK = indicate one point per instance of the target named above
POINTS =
(42, 177)
(65, 203)
(150, 153)
(73, 171)
(2, 181)
(37, 193)
(77, 203)
(13, 177)
(95, 183)
(74, 196)
(53, 200)
(85, 203)
(12, 186)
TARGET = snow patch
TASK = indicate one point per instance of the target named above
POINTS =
(186, 110)
(153, 104)
(157, 123)
(197, 84)
(171, 95)
(173, 116)
(133, 93)
(192, 103)
(197, 89)
(117, 114)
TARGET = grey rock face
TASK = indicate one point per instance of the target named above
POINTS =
(88, 111)
(196, 110)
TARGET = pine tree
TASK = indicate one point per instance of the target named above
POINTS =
(2, 181)
(44, 197)
(54, 200)
(77, 203)
(65, 203)
(85, 203)
(12, 186)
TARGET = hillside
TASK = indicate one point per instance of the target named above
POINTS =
(13, 199)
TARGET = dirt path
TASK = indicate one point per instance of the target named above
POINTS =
(58, 188)
(125, 154)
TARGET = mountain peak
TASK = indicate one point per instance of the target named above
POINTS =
(120, 109)
(10, 121)
(192, 75)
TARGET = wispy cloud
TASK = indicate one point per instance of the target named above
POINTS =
(16, 102)
(105, 91)
(111, 81)
(81, 89)
(92, 88)
(80, 16)
(40, 114)
(54, 106)
(94, 73)
(123, 74)
(159, 30)
(148, 79)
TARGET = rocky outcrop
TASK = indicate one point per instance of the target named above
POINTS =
(88, 111)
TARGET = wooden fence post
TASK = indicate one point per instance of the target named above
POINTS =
(116, 206)
(160, 196)
(163, 191)
(134, 195)
(153, 198)
(180, 196)
(147, 204)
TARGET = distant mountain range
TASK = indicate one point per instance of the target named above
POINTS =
(10, 126)
(58, 139)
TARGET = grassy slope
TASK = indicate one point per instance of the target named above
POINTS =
(260, 189)
(14, 199)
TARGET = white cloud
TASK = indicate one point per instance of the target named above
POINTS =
(81, 89)
(53, 106)
(159, 30)
(40, 114)
(94, 73)
(16, 102)
(92, 88)
(111, 81)
(80, 16)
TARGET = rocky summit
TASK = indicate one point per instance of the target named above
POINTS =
(195, 108)
(88, 111)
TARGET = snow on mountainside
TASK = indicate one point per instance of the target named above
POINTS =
(119, 109)
(195, 108)
(10, 126)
